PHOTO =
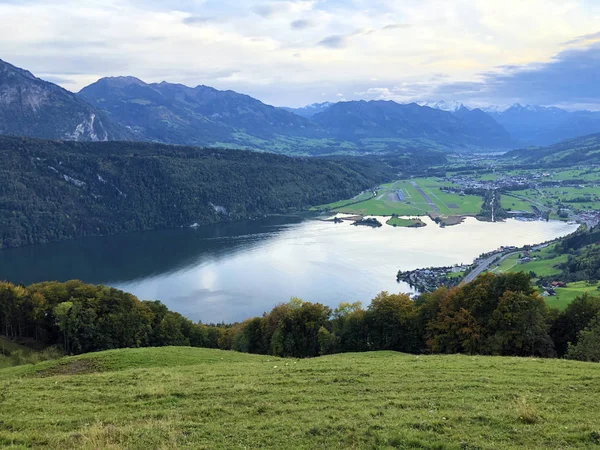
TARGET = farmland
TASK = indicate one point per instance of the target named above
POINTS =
(415, 197)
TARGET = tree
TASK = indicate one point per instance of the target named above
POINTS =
(587, 347)
(62, 314)
(518, 326)
(391, 323)
(328, 342)
(576, 316)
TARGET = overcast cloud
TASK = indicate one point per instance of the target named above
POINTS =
(302, 51)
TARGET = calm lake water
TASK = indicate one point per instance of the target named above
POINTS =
(230, 272)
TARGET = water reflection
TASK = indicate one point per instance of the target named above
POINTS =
(232, 271)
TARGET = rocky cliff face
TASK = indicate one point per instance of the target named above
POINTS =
(33, 107)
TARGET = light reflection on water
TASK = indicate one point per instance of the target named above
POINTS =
(230, 272)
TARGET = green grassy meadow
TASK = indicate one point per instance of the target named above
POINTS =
(402, 222)
(566, 295)
(387, 202)
(181, 397)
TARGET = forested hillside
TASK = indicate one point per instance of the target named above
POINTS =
(582, 150)
(59, 190)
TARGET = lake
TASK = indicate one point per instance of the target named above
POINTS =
(229, 272)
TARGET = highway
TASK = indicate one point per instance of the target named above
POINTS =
(485, 264)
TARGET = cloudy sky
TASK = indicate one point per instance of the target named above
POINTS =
(296, 52)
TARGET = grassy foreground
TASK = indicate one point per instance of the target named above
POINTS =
(179, 397)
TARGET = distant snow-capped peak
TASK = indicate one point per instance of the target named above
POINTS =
(451, 106)
(319, 106)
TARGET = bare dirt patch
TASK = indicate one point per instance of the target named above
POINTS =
(77, 367)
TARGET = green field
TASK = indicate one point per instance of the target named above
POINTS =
(510, 203)
(566, 295)
(180, 397)
(411, 202)
(401, 222)
(552, 198)
(543, 266)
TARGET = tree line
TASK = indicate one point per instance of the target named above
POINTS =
(493, 315)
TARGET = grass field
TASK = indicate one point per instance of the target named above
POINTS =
(403, 198)
(552, 197)
(566, 295)
(514, 204)
(178, 397)
(543, 266)
(403, 222)
(546, 266)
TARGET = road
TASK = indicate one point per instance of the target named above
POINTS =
(485, 264)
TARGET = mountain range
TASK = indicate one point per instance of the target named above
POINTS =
(540, 125)
(127, 108)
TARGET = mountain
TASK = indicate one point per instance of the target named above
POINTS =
(310, 110)
(126, 108)
(539, 125)
(451, 106)
(582, 150)
(394, 124)
(477, 122)
(33, 107)
(55, 190)
(177, 114)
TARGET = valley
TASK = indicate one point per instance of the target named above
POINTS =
(299, 224)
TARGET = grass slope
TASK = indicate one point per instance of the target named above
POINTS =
(199, 398)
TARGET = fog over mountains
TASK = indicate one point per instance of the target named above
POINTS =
(127, 108)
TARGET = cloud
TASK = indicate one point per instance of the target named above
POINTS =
(334, 41)
(197, 20)
(485, 50)
(586, 38)
(268, 10)
(570, 76)
(396, 26)
(301, 24)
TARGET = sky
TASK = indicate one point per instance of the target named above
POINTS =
(296, 52)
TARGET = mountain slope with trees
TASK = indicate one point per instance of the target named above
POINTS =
(53, 190)
(582, 150)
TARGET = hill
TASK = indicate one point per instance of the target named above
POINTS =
(33, 107)
(177, 114)
(53, 190)
(539, 125)
(582, 150)
(391, 125)
(181, 397)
